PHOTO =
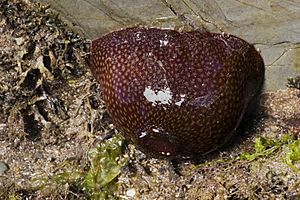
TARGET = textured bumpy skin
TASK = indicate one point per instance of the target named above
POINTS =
(175, 93)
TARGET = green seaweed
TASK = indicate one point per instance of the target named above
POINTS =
(13, 197)
(293, 155)
(294, 82)
(105, 165)
(69, 173)
(99, 180)
(265, 146)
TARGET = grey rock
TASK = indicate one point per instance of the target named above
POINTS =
(3, 168)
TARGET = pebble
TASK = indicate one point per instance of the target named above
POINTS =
(131, 192)
(3, 168)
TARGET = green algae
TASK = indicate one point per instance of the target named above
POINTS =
(294, 82)
(265, 146)
(293, 155)
(99, 180)
(106, 162)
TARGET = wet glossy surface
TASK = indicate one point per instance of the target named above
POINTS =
(176, 93)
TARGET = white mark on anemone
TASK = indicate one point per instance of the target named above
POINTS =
(158, 97)
(155, 130)
(143, 134)
(178, 103)
(164, 41)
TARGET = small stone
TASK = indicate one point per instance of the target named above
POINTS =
(3, 168)
(37, 155)
(19, 40)
(131, 192)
